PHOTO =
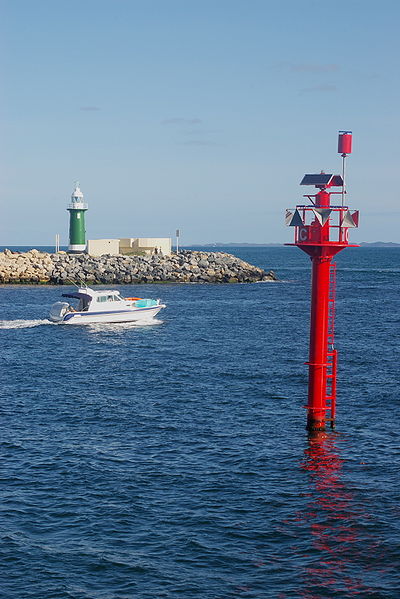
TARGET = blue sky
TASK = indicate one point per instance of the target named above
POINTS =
(197, 115)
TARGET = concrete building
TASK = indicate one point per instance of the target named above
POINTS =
(130, 245)
(146, 245)
(98, 247)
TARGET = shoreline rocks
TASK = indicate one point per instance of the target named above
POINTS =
(188, 266)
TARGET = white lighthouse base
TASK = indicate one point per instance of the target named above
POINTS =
(76, 248)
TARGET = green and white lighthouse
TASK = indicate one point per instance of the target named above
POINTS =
(77, 231)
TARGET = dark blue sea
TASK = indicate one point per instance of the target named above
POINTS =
(172, 461)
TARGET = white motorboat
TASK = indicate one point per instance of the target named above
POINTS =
(103, 306)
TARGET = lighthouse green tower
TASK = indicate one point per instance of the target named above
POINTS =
(77, 231)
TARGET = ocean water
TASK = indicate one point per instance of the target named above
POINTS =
(172, 461)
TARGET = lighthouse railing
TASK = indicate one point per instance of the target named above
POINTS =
(308, 219)
(77, 206)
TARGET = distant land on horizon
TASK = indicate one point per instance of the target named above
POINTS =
(231, 244)
(382, 244)
(220, 244)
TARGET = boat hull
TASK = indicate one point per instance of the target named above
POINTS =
(139, 315)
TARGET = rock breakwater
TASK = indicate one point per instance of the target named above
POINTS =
(186, 267)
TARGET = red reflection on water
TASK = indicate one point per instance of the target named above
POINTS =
(333, 524)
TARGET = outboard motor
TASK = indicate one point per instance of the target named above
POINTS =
(58, 311)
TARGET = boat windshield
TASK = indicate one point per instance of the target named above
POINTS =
(109, 297)
(84, 304)
(84, 300)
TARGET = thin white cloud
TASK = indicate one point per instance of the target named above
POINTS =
(181, 121)
(309, 67)
(199, 142)
(323, 88)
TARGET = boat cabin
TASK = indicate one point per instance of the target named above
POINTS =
(89, 300)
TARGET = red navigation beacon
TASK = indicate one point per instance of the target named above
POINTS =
(321, 231)
(345, 142)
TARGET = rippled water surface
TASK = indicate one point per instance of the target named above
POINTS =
(172, 461)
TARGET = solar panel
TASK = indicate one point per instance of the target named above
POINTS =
(318, 179)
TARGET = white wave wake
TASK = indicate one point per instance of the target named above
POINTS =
(23, 324)
(26, 324)
(107, 326)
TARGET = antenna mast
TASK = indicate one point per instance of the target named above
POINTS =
(344, 148)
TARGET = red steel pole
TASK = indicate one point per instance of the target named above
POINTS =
(318, 355)
(317, 365)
